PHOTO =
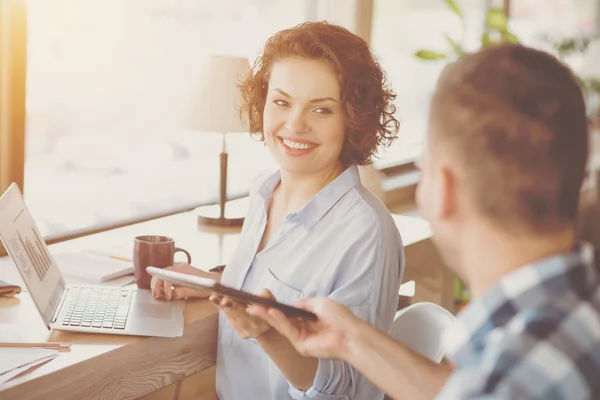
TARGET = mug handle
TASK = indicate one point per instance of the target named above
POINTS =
(189, 258)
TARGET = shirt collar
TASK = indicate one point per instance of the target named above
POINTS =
(322, 202)
(476, 318)
(268, 185)
(318, 206)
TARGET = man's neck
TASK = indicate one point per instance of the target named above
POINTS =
(490, 254)
(295, 190)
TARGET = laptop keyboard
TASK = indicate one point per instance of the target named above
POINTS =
(98, 308)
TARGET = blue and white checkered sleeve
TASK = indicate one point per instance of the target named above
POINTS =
(533, 358)
(470, 383)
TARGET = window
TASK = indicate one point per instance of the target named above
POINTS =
(399, 29)
(531, 19)
(540, 23)
(402, 27)
(107, 87)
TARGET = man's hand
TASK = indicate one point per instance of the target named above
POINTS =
(325, 338)
(168, 291)
(244, 324)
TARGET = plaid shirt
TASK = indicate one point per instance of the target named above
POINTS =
(534, 335)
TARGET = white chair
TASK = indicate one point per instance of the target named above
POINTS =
(420, 327)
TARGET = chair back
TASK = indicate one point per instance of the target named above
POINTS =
(420, 327)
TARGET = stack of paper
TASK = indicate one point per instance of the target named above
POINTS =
(90, 268)
(16, 361)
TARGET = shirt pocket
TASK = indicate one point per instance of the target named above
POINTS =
(283, 292)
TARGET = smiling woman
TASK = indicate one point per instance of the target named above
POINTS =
(304, 125)
(320, 102)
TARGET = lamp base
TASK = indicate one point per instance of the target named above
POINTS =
(235, 211)
(227, 222)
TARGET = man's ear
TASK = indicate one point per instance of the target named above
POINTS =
(446, 194)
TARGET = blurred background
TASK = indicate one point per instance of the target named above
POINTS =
(108, 83)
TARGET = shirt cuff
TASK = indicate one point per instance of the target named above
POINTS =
(332, 380)
(313, 393)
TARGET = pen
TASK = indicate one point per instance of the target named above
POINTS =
(120, 258)
(46, 345)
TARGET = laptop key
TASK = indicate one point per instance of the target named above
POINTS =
(122, 311)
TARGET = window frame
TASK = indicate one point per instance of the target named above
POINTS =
(13, 61)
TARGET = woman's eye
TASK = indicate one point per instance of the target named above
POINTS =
(281, 103)
(323, 111)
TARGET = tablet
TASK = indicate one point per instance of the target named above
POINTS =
(199, 283)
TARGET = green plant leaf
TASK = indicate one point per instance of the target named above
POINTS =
(458, 50)
(509, 37)
(429, 55)
(454, 7)
(593, 85)
(486, 40)
(496, 19)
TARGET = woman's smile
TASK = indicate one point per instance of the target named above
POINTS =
(296, 147)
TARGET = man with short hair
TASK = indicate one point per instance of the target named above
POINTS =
(501, 175)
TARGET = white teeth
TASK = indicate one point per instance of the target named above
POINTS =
(297, 146)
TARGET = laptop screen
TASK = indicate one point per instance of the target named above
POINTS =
(27, 249)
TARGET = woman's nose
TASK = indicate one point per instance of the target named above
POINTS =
(296, 123)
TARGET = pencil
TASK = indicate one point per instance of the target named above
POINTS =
(46, 345)
(120, 258)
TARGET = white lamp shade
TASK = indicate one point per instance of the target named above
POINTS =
(216, 98)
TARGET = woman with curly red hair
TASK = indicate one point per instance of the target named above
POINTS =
(320, 102)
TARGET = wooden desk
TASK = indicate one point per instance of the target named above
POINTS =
(112, 366)
(123, 367)
(116, 366)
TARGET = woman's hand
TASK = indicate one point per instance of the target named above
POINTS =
(168, 291)
(244, 324)
(325, 338)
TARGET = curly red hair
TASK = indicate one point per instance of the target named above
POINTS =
(366, 97)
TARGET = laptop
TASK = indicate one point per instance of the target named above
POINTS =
(80, 308)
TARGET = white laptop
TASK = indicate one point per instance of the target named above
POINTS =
(82, 308)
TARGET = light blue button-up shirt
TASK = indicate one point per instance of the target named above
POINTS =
(343, 244)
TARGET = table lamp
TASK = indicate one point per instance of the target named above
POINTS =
(216, 109)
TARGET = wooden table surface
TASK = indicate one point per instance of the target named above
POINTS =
(119, 366)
